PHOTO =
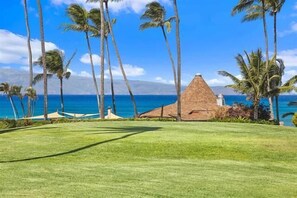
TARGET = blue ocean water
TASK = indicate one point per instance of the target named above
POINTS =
(86, 104)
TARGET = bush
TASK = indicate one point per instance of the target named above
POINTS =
(242, 111)
(294, 119)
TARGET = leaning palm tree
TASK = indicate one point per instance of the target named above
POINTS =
(178, 50)
(45, 104)
(95, 15)
(79, 18)
(8, 91)
(17, 91)
(156, 16)
(117, 51)
(256, 9)
(29, 52)
(254, 78)
(31, 94)
(56, 65)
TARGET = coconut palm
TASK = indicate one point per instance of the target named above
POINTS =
(17, 91)
(45, 103)
(94, 15)
(178, 50)
(29, 52)
(156, 16)
(31, 94)
(56, 65)
(79, 18)
(256, 9)
(8, 91)
(118, 53)
(254, 77)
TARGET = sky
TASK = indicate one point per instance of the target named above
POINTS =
(210, 39)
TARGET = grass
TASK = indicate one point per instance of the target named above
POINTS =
(149, 159)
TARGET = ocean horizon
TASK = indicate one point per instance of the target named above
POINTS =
(87, 104)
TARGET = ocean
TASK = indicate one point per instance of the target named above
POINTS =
(86, 104)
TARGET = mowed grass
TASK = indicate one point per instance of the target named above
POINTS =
(149, 159)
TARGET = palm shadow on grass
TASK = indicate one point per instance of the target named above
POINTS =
(132, 131)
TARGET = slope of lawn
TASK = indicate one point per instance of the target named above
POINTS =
(149, 159)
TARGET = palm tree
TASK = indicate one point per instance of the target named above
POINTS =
(275, 8)
(45, 104)
(29, 52)
(254, 77)
(156, 14)
(17, 91)
(56, 65)
(79, 18)
(118, 54)
(95, 15)
(256, 9)
(6, 89)
(31, 94)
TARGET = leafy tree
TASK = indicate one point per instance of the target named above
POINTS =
(256, 9)
(155, 14)
(80, 23)
(56, 65)
(94, 15)
(17, 91)
(254, 77)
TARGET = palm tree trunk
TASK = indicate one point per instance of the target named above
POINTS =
(275, 54)
(102, 33)
(178, 118)
(93, 71)
(111, 77)
(61, 95)
(29, 53)
(120, 62)
(13, 107)
(23, 107)
(170, 56)
(45, 104)
(256, 109)
(267, 59)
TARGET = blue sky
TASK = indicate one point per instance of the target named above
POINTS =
(210, 38)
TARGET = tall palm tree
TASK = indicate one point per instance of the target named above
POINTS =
(254, 78)
(31, 94)
(29, 52)
(275, 8)
(56, 65)
(79, 18)
(178, 47)
(95, 17)
(8, 91)
(256, 9)
(117, 53)
(45, 104)
(156, 14)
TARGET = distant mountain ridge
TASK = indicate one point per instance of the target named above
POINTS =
(77, 85)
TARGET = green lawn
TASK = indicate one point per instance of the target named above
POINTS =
(149, 159)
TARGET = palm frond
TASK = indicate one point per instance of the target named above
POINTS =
(288, 114)
(39, 77)
(147, 25)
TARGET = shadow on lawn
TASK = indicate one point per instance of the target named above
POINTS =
(132, 131)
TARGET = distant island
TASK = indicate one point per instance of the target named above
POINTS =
(77, 85)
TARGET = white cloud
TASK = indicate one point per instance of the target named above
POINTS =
(221, 81)
(293, 29)
(85, 74)
(13, 48)
(126, 5)
(171, 82)
(289, 57)
(86, 59)
(130, 70)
